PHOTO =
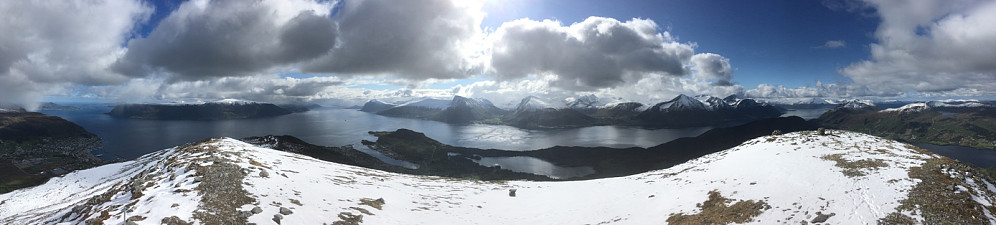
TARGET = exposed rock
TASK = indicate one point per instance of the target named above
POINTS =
(511, 193)
(263, 173)
(820, 217)
(277, 218)
(173, 220)
(776, 132)
(821, 131)
(285, 211)
(245, 214)
(256, 210)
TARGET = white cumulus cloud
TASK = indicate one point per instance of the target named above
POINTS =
(49, 45)
(591, 54)
(931, 46)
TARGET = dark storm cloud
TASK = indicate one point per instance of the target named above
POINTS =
(595, 53)
(413, 40)
(229, 38)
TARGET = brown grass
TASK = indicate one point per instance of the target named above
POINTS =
(853, 168)
(716, 211)
(346, 218)
(936, 202)
(377, 204)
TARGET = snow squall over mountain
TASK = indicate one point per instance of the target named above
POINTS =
(843, 178)
(430, 103)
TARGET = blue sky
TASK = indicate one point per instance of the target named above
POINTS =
(767, 41)
(355, 50)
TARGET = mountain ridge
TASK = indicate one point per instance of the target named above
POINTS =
(893, 182)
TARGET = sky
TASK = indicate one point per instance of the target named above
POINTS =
(350, 51)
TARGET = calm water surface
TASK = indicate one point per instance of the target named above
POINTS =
(130, 138)
(979, 157)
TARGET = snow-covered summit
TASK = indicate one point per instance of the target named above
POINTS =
(857, 104)
(460, 101)
(957, 103)
(922, 106)
(842, 178)
(909, 108)
(625, 106)
(718, 103)
(585, 101)
(533, 103)
(681, 103)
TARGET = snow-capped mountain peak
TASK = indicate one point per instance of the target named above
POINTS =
(718, 103)
(957, 103)
(681, 103)
(909, 108)
(533, 103)
(922, 106)
(625, 106)
(844, 178)
(460, 101)
(857, 104)
(586, 101)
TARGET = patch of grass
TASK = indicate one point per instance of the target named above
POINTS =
(853, 168)
(362, 210)
(346, 218)
(257, 163)
(377, 204)
(715, 211)
(935, 199)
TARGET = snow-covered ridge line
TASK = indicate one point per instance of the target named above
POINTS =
(856, 178)
(227, 101)
(921, 106)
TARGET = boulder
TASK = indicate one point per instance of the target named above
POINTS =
(277, 218)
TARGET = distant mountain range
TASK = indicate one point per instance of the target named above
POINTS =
(951, 122)
(221, 110)
(536, 113)
(685, 111)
